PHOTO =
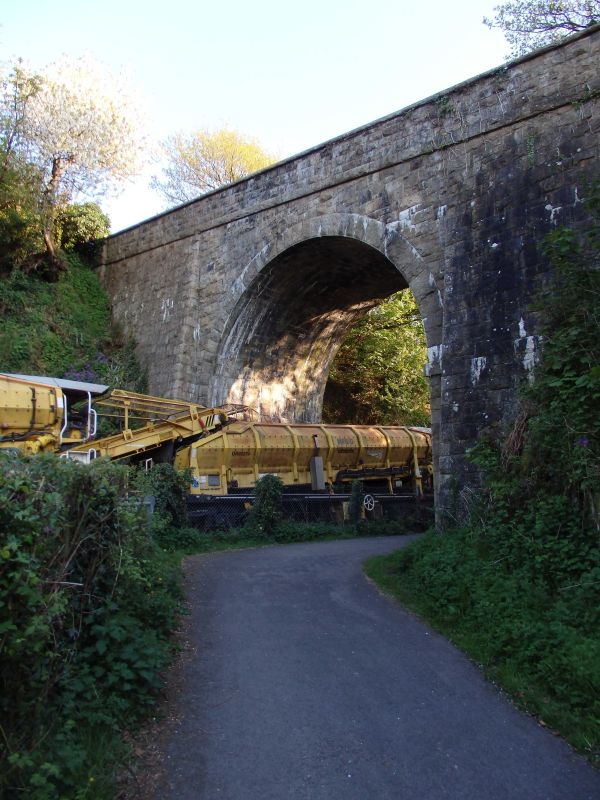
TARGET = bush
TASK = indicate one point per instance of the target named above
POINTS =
(356, 502)
(87, 603)
(19, 238)
(266, 510)
(169, 487)
(79, 226)
(20, 222)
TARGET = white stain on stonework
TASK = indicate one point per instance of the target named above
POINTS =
(395, 228)
(405, 218)
(530, 356)
(441, 212)
(433, 285)
(434, 358)
(553, 213)
(477, 366)
(166, 306)
(197, 333)
(527, 345)
(238, 287)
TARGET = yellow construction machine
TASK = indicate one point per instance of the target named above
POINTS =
(225, 454)
(41, 414)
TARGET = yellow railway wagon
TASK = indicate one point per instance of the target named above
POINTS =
(314, 456)
(37, 413)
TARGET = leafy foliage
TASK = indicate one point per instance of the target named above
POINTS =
(169, 489)
(74, 130)
(80, 225)
(357, 496)
(377, 376)
(519, 584)
(86, 607)
(20, 234)
(20, 181)
(528, 24)
(206, 160)
(266, 510)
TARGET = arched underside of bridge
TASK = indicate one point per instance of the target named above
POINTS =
(289, 323)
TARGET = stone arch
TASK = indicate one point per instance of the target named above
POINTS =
(296, 298)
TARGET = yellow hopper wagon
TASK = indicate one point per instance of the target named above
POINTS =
(316, 464)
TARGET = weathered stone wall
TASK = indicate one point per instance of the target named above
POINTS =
(244, 295)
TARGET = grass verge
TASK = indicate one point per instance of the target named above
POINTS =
(189, 541)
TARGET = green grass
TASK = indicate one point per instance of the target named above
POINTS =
(526, 642)
(50, 327)
(64, 328)
(190, 541)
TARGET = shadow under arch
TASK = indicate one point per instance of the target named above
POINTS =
(297, 298)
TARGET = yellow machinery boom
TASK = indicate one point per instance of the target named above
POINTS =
(168, 421)
(42, 414)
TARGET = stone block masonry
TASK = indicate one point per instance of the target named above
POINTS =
(245, 294)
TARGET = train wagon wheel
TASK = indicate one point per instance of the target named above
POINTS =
(369, 502)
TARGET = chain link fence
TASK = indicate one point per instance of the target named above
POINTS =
(231, 511)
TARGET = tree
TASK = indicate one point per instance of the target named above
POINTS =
(528, 24)
(18, 87)
(377, 376)
(205, 161)
(79, 130)
(20, 181)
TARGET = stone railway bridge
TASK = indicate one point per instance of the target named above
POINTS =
(245, 294)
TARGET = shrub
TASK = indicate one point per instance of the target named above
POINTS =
(169, 487)
(79, 226)
(266, 510)
(87, 603)
(356, 502)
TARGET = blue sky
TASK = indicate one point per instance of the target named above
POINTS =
(290, 75)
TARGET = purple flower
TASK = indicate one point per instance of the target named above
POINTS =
(583, 441)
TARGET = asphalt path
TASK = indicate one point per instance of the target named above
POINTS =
(306, 683)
